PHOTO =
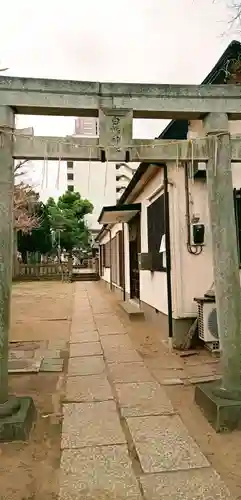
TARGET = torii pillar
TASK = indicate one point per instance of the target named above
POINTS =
(221, 400)
(16, 414)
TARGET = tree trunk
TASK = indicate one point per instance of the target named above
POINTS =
(24, 257)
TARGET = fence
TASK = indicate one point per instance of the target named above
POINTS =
(33, 272)
(48, 271)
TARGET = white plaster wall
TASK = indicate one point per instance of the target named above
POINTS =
(127, 258)
(192, 275)
(153, 286)
(103, 241)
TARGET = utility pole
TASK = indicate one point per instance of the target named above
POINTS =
(226, 278)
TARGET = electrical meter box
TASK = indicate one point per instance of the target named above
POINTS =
(197, 234)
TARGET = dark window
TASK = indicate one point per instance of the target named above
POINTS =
(114, 261)
(71, 188)
(70, 177)
(70, 164)
(106, 254)
(156, 232)
(101, 260)
(237, 210)
(121, 257)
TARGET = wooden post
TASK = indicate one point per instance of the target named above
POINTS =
(6, 241)
(225, 252)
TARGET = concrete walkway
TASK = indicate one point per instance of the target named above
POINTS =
(121, 438)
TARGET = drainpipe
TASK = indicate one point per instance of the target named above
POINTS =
(168, 256)
(124, 271)
(110, 261)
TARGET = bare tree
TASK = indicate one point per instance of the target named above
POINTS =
(25, 200)
(235, 7)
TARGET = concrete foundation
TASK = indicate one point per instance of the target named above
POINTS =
(180, 326)
(223, 414)
(160, 319)
(16, 427)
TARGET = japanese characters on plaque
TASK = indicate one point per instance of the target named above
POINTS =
(115, 132)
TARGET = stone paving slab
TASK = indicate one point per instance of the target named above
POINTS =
(105, 331)
(163, 444)
(83, 327)
(111, 327)
(167, 362)
(203, 370)
(52, 365)
(198, 380)
(129, 372)
(50, 353)
(165, 374)
(101, 309)
(202, 484)
(91, 424)
(89, 365)
(106, 319)
(57, 344)
(82, 306)
(172, 381)
(88, 388)
(85, 349)
(17, 354)
(89, 336)
(121, 340)
(82, 322)
(144, 398)
(83, 316)
(102, 473)
(121, 354)
(24, 365)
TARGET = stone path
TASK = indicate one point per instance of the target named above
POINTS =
(34, 357)
(121, 438)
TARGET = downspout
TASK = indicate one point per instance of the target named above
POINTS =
(110, 261)
(187, 201)
(124, 270)
(168, 256)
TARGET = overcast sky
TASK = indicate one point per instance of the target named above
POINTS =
(156, 41)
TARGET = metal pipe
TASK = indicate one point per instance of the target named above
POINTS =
(187, 203)
(124, 273)
(168, 254)
(111, 287)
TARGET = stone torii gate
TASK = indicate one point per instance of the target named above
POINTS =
(117, 104)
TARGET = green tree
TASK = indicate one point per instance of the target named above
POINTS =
(40, 238)
(67, 219)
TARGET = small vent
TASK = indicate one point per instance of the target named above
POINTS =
(213, 324)
(213, 346)
(200, 321)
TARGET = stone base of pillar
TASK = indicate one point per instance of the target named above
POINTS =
(17, 425)
(222, 413)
